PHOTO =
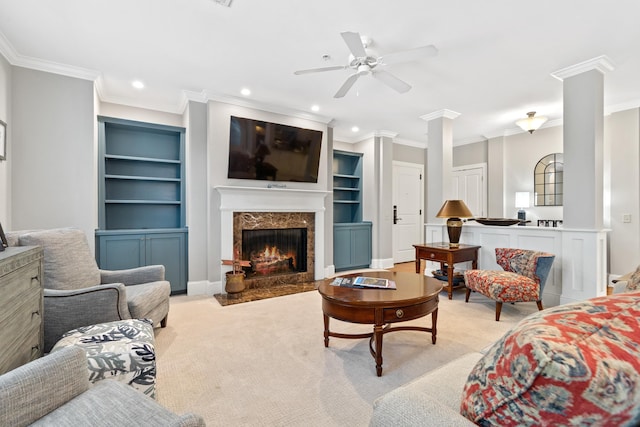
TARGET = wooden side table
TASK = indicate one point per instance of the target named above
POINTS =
(442, 253)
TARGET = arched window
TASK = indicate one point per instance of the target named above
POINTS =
(548, 179)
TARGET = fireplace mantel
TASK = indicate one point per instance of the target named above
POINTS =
(257, 199)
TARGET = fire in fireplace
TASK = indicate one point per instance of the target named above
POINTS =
(275, 251)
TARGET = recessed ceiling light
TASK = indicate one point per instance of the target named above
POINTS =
(137, 84)
(245, 92)
(355, 129)
(315, 108)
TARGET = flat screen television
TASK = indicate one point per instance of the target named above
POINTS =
(271, 151)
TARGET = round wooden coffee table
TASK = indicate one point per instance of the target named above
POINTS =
(416, 296)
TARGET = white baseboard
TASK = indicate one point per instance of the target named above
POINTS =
(204, 287)
(329, 271)
(382, 263)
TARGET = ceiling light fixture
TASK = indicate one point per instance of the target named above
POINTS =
(531, 123)
(355, 129)
(315, 108)
(137, 84)
(245, 92)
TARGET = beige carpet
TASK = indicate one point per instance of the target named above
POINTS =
(263, 363)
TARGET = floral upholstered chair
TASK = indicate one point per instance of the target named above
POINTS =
(525, 273)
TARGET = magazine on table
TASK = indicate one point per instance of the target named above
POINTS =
(364, 282)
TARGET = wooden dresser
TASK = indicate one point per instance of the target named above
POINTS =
(21, 326)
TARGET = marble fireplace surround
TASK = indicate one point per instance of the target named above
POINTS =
(277, 220)
(275, 201)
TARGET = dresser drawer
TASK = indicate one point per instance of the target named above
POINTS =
(18, 281)
(22, 350)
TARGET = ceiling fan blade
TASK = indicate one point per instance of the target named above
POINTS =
(392, 81)
(346, 85)
(354, 43)
(317, 70)
(409, 55)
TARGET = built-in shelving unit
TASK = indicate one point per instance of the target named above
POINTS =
(142, 197)
(351, 235)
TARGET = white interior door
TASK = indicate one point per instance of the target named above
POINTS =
(408, 189)
(469, 185)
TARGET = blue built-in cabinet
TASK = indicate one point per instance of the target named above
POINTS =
(351, 235)
(141, 190)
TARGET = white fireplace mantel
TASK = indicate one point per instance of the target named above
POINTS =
(257, 199)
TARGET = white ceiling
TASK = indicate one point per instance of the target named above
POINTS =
(494, 63)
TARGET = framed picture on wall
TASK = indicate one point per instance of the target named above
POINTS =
(3, 140)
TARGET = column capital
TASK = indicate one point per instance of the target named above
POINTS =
(449, 114)
(601, 63)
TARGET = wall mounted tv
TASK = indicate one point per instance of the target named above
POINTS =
(271, 151)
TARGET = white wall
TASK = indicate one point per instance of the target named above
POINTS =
(521, 154)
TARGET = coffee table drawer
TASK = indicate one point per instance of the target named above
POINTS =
(402, 314)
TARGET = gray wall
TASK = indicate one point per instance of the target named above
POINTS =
(197, 190)
(470, 154)
(5, 168)
(53, 156)
(409, 154)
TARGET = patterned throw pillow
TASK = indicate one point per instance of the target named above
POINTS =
(575, 364)
(634, 281)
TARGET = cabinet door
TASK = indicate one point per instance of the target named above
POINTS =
(341, 248)
(119, 252)
(169, 250)
(361, 247)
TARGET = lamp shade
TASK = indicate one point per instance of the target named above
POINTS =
(531, 123)
(522, 199)
(454, 209)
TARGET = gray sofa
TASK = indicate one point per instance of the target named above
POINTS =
(77, 293)
(432, 399)
(55, 390)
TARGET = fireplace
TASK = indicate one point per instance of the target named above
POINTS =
(278, 245)
(274, 208)
(275, 251)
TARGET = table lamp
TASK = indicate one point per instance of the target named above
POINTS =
(522, 201)
(454, 210)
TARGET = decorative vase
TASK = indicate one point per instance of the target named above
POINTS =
(235, 284)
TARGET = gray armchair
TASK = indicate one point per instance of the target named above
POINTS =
(77, 293)
(55, 390)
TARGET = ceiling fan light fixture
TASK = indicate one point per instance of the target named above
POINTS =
(531, 123)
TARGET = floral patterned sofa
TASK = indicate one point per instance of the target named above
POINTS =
(574, 364)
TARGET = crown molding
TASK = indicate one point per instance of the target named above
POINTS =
(271, 108)
(15, 59)
(449, 114)
(601, 63)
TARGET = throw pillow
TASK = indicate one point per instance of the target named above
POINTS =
(68, 261)
(634, 281)
(575, 364)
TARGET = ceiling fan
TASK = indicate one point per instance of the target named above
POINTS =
(364, 62)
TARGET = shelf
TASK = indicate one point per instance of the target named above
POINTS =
(345, 189)
(357, 202)
(342, 175)
(144, 202)
(141, 159)
(142, 178)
